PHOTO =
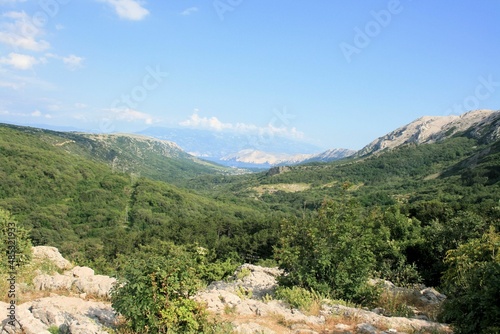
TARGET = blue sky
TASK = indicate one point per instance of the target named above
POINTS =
(333, 73)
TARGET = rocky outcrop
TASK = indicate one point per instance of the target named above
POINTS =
(248, 295)
(427, 296)
(277, 170)
(69, 314)
(246, 300)
(79, 279)
(51, 254)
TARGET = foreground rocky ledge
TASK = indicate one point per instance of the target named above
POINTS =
(243, 301)
(78, 304)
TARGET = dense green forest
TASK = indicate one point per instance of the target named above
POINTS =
(92, 212)
(410, 215)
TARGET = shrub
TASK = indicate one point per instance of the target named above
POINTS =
(15, 237)
(299, 298)
(329, 253)
(53, 329)
(472, 283)
(157, 284)
(244, 272)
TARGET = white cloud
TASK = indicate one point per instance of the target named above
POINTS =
(189, 11)
(130, 115)
(19, 80)
(195, 121)
(73, 62)
(214, 124)
(8, 2)
(19, 61)
(80, 105)
(37, 114)
(128, 9)
(21, 33)
(54, 107)
(11, 85)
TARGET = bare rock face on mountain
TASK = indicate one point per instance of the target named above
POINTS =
(430, 129)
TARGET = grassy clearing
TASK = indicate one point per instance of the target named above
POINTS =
(286, 187)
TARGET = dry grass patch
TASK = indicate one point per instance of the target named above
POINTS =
(285, 187)
(407, 305)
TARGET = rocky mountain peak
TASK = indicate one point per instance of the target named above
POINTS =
(429, 129)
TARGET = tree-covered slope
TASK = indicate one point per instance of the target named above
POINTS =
(92, 211)
(143, 156)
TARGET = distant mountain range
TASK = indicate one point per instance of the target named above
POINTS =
(254, 158)
(174, 149)
(235, 150)
(250, 151)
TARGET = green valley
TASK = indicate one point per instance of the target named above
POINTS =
(399, 214)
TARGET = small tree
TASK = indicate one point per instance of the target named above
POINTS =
(157, 284)
(472, 283)
(329, 253)
(13, 237)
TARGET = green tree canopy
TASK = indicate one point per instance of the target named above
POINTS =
(329, 253)
(13, 237)
(472, 283)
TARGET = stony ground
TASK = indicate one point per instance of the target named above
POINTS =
(75, 302)
(246, 302)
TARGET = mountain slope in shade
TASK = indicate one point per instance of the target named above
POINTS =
(429, 129)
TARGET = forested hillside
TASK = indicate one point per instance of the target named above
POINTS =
(131, 154)
(94, 212)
